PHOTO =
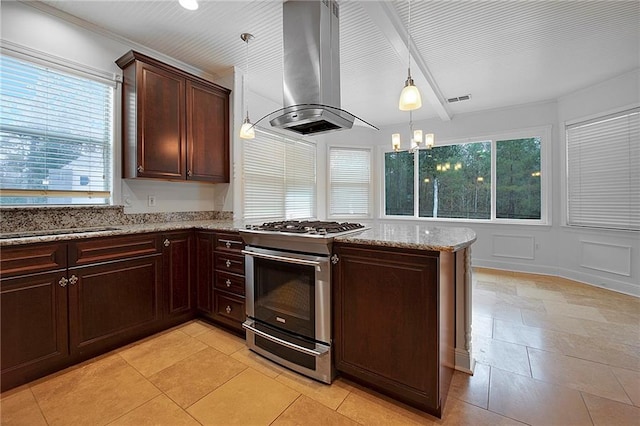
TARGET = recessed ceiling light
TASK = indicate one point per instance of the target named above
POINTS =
(189, 4)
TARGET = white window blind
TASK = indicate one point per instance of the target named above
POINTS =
(279, 178)
(349, 181)
(603, 172)
(55, 136)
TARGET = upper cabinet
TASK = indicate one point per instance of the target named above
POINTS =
(174, 124)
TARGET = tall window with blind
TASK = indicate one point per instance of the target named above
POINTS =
(55, 136)
(349, 182)
(603, 172)
(279, 178)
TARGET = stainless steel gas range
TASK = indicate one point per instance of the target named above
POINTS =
(288, 293)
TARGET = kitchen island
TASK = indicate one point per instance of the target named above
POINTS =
(402, 310)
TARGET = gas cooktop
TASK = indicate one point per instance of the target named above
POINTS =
(316, 227)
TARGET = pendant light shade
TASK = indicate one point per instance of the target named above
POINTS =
(410, 98)
(189, 4)
(247, 130)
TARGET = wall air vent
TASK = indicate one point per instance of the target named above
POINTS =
(459, 98)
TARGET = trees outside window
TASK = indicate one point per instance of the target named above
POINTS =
(457, 181)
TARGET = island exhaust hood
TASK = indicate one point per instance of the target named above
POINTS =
(311, 69)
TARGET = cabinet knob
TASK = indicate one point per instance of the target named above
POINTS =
(63, 282)
(166, 242)
(140, 169)
(228, 309)
(73, 280)
(228, 282)
(189, 173)
(228, 244)
(335, 259)
(228, 263)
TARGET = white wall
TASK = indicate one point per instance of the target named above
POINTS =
(609, 259)
(44, 30)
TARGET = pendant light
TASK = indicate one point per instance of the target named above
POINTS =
(247, 130)
(189, 4)
(410, 98)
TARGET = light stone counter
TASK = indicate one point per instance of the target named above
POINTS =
(420, 237)
(109, 231)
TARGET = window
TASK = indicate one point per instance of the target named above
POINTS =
(603, 172)
(457, 181)
(55, 136)
(349, 182)
(279, 178)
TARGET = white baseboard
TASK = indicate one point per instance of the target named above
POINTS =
(585, 278)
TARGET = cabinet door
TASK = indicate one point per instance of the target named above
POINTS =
(386, 322)
(177, 252)
(204, 273)
(207, 133)
(33, 321)
(113, 303)
(161, 149)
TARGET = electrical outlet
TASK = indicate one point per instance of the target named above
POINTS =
(151, 201)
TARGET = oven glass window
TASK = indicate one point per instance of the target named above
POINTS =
(285, 296)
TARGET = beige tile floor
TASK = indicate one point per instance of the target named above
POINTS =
(549, 351)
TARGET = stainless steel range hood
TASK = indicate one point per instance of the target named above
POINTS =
(311, 69)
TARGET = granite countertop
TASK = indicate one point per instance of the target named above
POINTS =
(421, 237)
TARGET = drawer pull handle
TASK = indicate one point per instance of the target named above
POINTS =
(63, 282)
(228, 309)
(228, 244)
(228, 263)
(73, 280)
(228, 282)
(166, 242)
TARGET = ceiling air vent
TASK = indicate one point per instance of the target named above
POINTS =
(459, 98)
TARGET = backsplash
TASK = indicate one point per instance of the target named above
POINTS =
(47, 218)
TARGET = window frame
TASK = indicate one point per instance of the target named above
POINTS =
(543, 132)
(58, 64)
(370, 191)
(565, 175)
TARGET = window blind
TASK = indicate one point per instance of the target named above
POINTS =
(279, 178)
(55, 135)
(603, 172)
(349, 181)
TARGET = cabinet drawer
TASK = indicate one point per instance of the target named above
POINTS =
(229, 306)
(228, 242)
(229, 263)
(32, 258)
(100, 250)
(230, 282)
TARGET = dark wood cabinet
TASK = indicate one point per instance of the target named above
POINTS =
(175, 125)
(392, 331)
(65, 302)
(204, 273)
(33, 312)
(178, 258)
(228, 281)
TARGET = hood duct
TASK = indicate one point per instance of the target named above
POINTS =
(311, 69)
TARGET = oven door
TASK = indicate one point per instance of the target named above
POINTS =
(289, 291)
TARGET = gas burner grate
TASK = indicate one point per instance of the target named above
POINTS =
(307, 227)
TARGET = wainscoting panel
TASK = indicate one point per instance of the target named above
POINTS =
(514, 246)
(612, 258)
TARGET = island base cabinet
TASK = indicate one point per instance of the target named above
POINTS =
(386, 321)
(33, 324)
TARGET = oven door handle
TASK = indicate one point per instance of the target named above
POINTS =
(281, 258)
(323, 351)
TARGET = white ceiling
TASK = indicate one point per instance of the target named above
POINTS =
(503, 53)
